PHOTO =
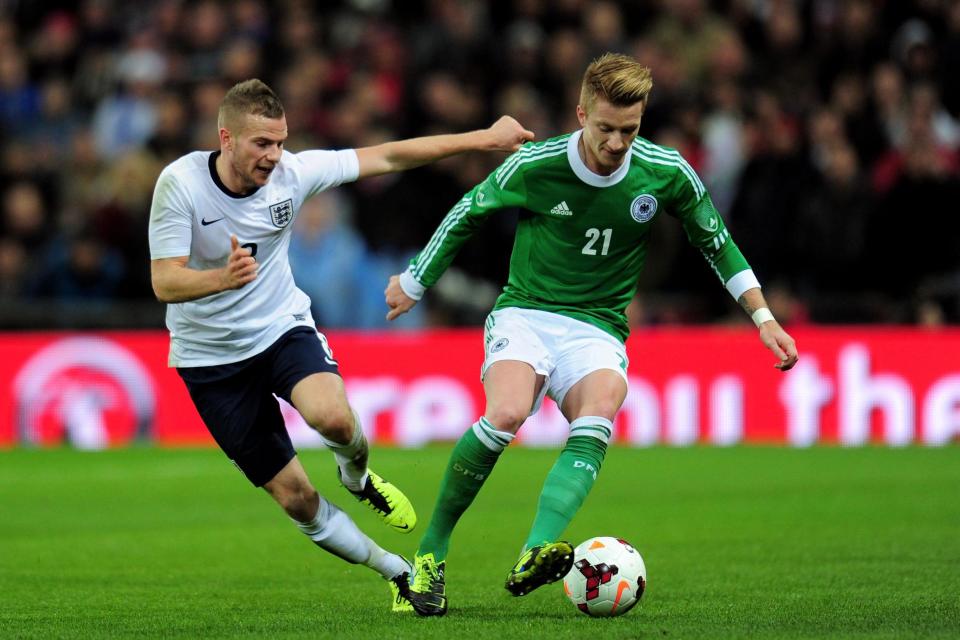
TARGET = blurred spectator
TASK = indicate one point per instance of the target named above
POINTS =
(78, 268)
(251, 21)
(98, 26)
(603, 27)
(453, 38)
(205, 98)
(25, 218)
(924, 106)
(13, 270)
(930, 314)
(775, 182)
(126, 120)
(327, 258)
(171, 135)
(81, 167)
(924, 188)
(832, 224)
(54, 49)
(57, 122)
(890, 107)
(332, 265)
(785, 60)
(724, 152)
(19, 96)
(950, 59)
(241, 60)
(914, 50)
(690, 31)
(206, 29)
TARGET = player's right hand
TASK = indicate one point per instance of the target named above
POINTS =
(780, 343)
(241, 266)
(396, 299)
(506, 134)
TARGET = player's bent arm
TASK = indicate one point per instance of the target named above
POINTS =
(174, 281)
(772, 334)
(506, 134)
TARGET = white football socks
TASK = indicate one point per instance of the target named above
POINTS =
(351, 457)
(334, 531)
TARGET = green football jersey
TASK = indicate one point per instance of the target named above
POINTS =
(581, 240)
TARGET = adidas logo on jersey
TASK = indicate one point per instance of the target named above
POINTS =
(561, 210)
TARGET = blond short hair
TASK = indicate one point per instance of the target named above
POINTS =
(618, 79)
(250, 97)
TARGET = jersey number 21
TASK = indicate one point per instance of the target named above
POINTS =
(592, 236)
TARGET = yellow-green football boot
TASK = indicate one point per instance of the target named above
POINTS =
(538, 566)
(428, 591)
(400, 591)
(387, 501)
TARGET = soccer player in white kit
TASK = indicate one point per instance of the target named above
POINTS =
(240, 329)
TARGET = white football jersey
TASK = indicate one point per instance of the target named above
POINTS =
(194, 215)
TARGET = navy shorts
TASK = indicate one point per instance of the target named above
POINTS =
(237, 403)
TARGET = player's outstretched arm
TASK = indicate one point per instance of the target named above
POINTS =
(398, 301)
(772, 334)
(506, 134)
(174, 281)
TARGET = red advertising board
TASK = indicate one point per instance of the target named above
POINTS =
(715, 386)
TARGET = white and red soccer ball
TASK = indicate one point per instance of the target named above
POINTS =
(608, 577)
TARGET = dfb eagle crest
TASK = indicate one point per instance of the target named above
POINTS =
(643, 207)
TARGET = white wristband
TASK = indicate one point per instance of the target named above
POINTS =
(410, 286)
(761, 315)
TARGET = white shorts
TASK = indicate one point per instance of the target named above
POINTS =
(561, 348)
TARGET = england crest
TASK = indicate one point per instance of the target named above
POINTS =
(643, 207)
(281, 213)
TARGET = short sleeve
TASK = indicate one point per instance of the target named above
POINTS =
(171, 219)
(322, 169)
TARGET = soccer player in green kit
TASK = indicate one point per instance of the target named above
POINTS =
(587, 201)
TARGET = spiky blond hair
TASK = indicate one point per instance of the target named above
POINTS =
(618, 79)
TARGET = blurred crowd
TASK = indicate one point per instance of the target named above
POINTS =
(827, 132)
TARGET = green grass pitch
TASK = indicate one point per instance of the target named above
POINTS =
(741, 542)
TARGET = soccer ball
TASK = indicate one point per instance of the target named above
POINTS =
(608, 577)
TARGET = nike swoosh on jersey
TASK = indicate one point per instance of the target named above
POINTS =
(205, 222)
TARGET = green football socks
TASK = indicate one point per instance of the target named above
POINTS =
(471, 462)
(570, 479)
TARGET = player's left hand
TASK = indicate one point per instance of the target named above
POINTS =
(780, 343)
(506, 134)
(396, 299)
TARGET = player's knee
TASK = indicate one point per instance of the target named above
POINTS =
(506, 418)
(603, 407)
(337, 426)
(333, 423)
(300, 501)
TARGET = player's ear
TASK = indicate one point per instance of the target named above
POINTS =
(581, 115)
(226, 140)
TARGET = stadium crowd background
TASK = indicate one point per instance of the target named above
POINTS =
(827, 132)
